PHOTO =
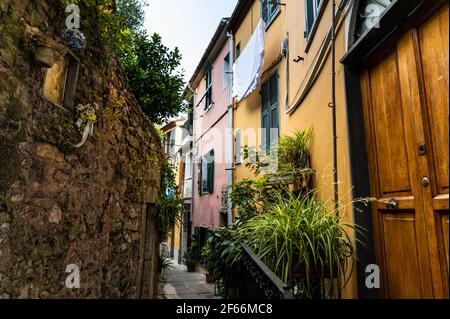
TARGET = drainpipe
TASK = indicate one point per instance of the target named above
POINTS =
(230, 131)
(333, 105)
(191, 208)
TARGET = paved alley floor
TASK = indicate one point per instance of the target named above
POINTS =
(177, 283)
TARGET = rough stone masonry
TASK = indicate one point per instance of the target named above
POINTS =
(62, 205)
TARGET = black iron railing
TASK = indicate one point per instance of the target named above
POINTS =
(258, 281)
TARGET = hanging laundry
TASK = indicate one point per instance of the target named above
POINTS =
(247, 68)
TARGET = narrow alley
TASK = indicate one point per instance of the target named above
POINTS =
(177, 283)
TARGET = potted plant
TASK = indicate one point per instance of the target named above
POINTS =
(164, 263)
(302, 241)
(189, 258)
(206, 256)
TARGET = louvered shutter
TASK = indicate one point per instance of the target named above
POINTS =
(237, 152)
(274, 111)
(265, 117)
(210, 174)
(309, 16)
(199, 182)
(265, 10)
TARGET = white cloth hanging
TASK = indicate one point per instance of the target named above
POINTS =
(88, 131)
(247, 68)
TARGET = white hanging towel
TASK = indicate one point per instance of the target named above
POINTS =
(247, 68)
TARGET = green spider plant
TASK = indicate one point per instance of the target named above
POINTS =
(300, 235)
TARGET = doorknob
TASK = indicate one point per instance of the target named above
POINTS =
(392, 204)
(425, 181)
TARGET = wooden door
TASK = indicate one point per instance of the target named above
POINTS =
(405, 97)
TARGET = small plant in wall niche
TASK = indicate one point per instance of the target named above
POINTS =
(86, 120)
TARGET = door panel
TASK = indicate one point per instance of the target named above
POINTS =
(391, 147)
(433, 55)
(406, 112)
(433, 39)
(388, 120)
(401, 252)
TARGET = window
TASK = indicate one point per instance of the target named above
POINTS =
(226, 71)
(312, 12)
(206, 174)
(269, 10)
(238, 151)
(208, 94)
(238, 50)
(270, 122)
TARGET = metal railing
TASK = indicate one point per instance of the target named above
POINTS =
(258, 281)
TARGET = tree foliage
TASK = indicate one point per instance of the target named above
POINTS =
(152, 73)
(132, 13)
(151, 67)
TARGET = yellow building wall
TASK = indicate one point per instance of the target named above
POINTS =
(313, 111)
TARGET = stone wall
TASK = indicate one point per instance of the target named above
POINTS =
(63, 205)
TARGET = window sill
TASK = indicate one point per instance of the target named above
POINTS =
(310, 37)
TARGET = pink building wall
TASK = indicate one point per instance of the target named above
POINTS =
(210, 133)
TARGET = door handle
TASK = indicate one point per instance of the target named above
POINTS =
(392, 204)
(425, 181)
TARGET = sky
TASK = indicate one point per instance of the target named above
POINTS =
(187, 24)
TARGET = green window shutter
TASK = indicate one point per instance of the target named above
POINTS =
(210, 174)
(265, 10)
(237, 151)
(265, 120)
(199, 182)
(274, 111)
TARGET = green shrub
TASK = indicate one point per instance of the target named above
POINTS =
(223, 260)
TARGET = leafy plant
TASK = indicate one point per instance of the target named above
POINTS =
(206, 253)
(302, 240)
(223, 259)
(169, 205)
(293, 151)
(189, 257)
(164, 264)
(251, 197)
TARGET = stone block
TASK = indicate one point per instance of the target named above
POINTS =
(49, 151)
